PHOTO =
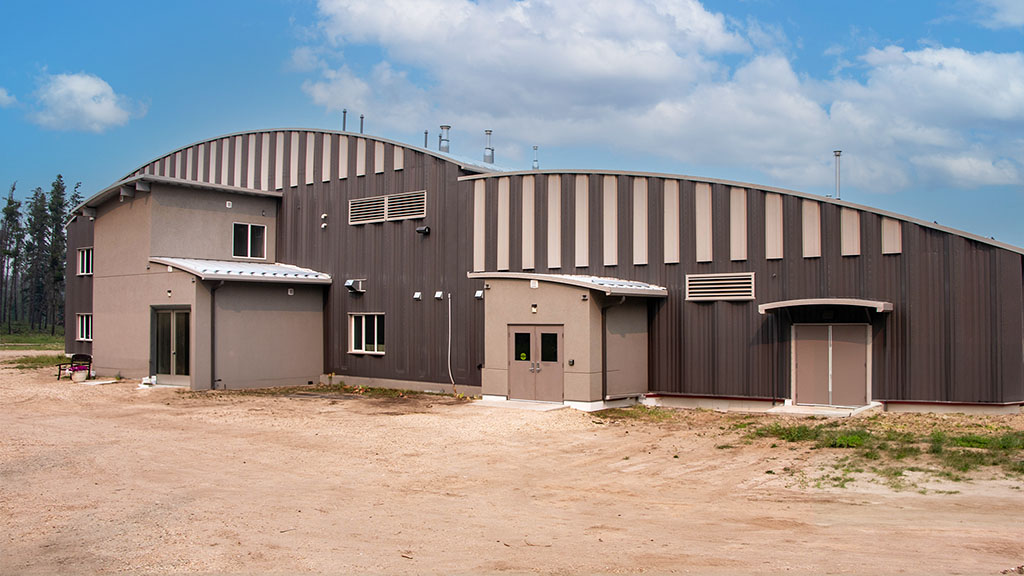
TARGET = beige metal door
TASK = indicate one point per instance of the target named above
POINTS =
(849, 365)
(535, 363)
(830, 364)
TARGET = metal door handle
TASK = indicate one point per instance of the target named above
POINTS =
(538, 366)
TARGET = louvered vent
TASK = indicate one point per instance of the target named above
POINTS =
(407, 205)
(404, 206)
(366, 210)
(720, 286)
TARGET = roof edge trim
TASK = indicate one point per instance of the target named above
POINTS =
(650, 291)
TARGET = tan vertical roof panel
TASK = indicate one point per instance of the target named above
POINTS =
(250, 164)
(503, 224)
(201, 174)
(671, 224)
(811, 211)
(640, 233)
(238, 162)
(310, 156)
(892, 236)
(773, 226)
(378, 157)
(554, 221)
(582, 221)
(479, 225)
(325, 158)
(265, 161)
(188, 164)
(529, 220)
(702, 222)
(279, 162)
(360, 157)
(399, 161)
(342, 157)
(610, 220)
(738, 224)
(293, 163)
(225, 157)
(850, 224)
(177, 164)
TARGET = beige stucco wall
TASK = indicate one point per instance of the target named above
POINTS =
(189, 223)
(509, 302)
(168, 221)
(264, 337)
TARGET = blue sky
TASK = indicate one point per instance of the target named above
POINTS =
(926, 99)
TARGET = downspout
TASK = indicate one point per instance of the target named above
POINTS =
(213, 334)
(604, 346)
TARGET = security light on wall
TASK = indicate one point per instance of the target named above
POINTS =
(417, 296)
(423, 230)
(323, 225)
(438, 295)
(479, 294)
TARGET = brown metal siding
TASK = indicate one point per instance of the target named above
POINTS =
(78, 289)
(395, 261)
(954, 334)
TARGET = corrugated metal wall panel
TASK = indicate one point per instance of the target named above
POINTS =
(78, 289)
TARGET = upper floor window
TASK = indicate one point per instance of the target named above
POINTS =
(250, 241)
(85, 261)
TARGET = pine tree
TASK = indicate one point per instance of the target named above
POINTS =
(11, 234)
(37, 259)
(57, 212)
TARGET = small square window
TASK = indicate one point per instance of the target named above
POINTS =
(366, 334)
(249, 241)
(85, 261)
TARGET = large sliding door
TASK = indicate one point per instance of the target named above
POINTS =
(830, 364)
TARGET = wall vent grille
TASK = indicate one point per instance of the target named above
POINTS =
(707, 287)
(404, 206)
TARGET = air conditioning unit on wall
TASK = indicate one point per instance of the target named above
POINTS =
(355, 285)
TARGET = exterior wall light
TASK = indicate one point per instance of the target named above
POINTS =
(425, 230)
(417, 296)
(479, 294)
(439, 295)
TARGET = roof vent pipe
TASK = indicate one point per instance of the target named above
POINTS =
(361, 116)
(536, 162)
(442, 138)
(837, 153)
(426, 133)
(344, 118)
(488, 149)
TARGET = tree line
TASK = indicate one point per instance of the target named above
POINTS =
(33, 255)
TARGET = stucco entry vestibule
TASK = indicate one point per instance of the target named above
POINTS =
(577, 340)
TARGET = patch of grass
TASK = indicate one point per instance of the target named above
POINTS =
(964, 460)
(843, 438)
(638, 412)
(36, 362)
(901, 451)
(22, 338)
(797, 433)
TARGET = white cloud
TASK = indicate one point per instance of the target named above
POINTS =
(1002, 13)
(82, 102)
(660, 77)
(6, 99)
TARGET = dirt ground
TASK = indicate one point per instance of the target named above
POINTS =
(111, 478)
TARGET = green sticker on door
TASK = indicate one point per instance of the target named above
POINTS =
(522, 355)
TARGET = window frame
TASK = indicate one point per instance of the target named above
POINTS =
(379, 336)
(83, 327)
(87, 253)
(248, 241)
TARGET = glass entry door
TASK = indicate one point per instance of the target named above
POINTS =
(172, 346)
(535, 363)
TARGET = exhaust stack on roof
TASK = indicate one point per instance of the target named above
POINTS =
(361, 116)
(442, 138)
(488, 149)
(837, 153)
(536, 162)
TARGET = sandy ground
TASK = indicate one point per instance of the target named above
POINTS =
(106, 479)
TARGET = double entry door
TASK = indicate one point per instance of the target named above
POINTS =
(831, 364)
(535, 363)
(171, 343)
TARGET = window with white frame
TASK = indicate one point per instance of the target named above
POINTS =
(85, 261)
(249, 241)
(83, 329)
(366, 333)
